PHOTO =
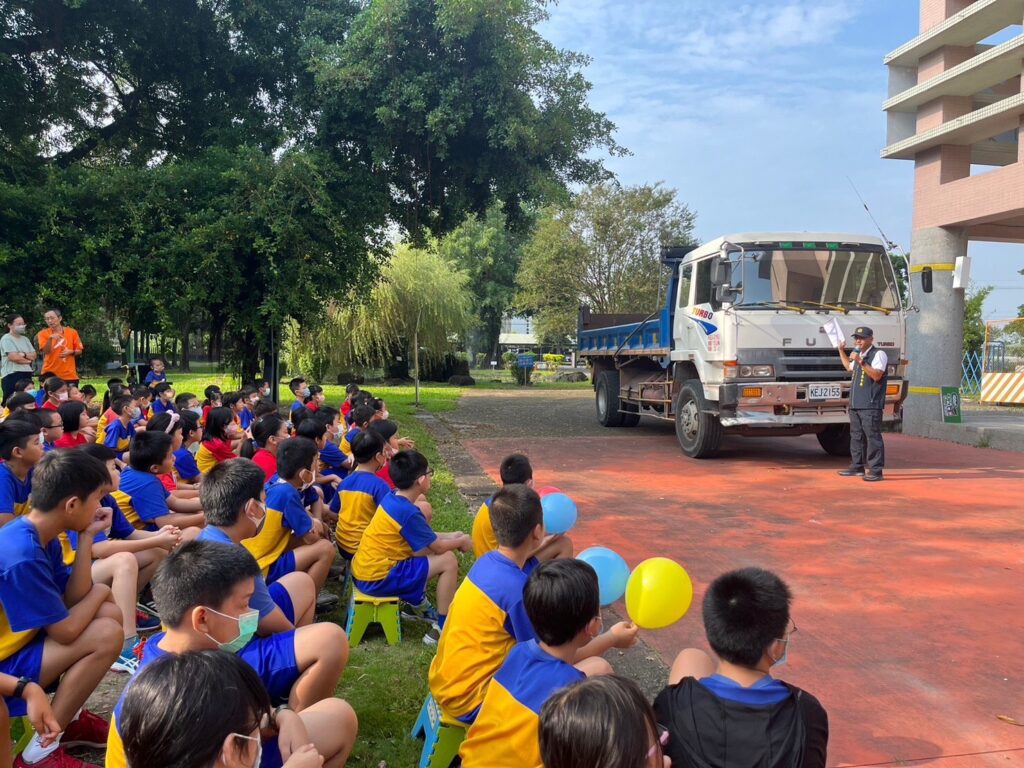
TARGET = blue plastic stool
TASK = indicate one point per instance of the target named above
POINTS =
(364, 610)
(441, 736)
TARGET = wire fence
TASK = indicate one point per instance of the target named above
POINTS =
(970, 380)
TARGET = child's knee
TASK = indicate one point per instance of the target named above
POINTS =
(105, 634)
(329, 641)
(691, 662)
(325, 550)
(125, 564)
(449, 562)
(595, 666)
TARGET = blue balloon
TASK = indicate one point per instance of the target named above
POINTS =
(612, 572)
(559, 512)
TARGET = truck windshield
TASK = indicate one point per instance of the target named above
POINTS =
(841, 278)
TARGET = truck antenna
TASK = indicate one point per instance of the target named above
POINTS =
(890, 246)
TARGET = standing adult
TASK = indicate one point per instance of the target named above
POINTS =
(59, 346)
(870, 367)
(18, 355)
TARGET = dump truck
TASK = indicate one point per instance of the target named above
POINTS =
(740, 345)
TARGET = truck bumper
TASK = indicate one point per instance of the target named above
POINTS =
(788, 404)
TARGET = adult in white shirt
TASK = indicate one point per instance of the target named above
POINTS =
(870, 367)
(18, 355)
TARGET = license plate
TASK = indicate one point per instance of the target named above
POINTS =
(824, 392)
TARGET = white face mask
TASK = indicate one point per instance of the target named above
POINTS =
(19, 329)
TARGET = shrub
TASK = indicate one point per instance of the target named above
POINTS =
(554, 359)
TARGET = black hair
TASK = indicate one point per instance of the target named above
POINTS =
(11, 317)
(53, 384)
(312, 428)
(231, 398)
(71, 414)
(178, 690)
(264, 408)
(199, 573)
(162, 421)
(406, 467)
(98, 451)
(294, 384)
(22, 384)
(327, 414)
(295, 455)
(189, 424)
(599, 722)
(16, 433)
(351, 388)
(227, 488)
(88, 389)
(515, 512)
(314, 389)
(46, 417)
(141, 391)
(119, 403)
(209, 393)
(114, 388)
(561, 597)
(366, 445)
(217, 422)
(19, 400)
(155, 358)
(361, 414)
(148, 448)
(744, 612)
(266, 428)
(386, 428)
(29, 417)
(60, 475)
(162, 387)
(248, 391)
(515, 469)
(181, 401)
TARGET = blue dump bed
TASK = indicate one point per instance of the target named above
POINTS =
(625, 334)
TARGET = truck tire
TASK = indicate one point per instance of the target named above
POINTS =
(698, 431)
(607, 399)
(630, 414)
(835, 439)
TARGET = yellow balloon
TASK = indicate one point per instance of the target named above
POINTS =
(659, 593)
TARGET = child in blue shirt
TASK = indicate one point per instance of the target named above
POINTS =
(49, 611)
(143, 499)
(157, 373)
(117, 434)
(21, 449)
(300, 390)
(163, 398)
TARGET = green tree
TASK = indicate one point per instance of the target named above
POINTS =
(602, 250)
(421, 303)
(488, 252)
(974, 325)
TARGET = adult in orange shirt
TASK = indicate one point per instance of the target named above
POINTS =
(59, 346)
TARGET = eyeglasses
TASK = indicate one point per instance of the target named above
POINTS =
(788, 634)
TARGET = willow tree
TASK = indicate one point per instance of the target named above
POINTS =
(421, 300)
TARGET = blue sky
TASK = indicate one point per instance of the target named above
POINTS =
(757, 112)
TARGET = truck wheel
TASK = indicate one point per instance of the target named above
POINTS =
(608, 399)
(699, 432)
(630, 415)
(835, 439)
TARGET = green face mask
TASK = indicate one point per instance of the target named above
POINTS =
(247, 623)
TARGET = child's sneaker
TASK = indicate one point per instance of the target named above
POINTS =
(87, 730)
(422, 612)
(147, 606)
(125, 662)
(144, 622)
(432, 636)
(56, 759)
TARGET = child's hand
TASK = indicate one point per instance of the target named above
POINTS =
(624, 634)
(319, 528)
(292, 736)
(466, 543)
(41, 715)
(305, 756)
(167, 537)
(335, 480)
(101, 521)
(405, 442)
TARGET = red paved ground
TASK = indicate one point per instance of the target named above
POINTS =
(908, 593)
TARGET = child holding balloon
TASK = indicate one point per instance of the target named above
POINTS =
(516, 469)
(561, 599)
(738, 709)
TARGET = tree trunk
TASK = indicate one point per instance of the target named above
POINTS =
(416, 357)
(186, 357)
(248, 357)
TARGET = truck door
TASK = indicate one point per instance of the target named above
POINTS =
(683, 330)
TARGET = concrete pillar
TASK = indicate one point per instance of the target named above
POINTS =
(935, 335)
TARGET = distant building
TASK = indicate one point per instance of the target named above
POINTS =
(516, 333)
(956, 109)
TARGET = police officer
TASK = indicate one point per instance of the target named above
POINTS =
(870, 367)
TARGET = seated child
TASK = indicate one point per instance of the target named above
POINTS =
(39, 713)
(143, 399)
(117, 434)
(360, 493)
(400, 552)
(157, 372)
(250, 397)
(315, 398)
(75, 420)
(600, 722)
(124, 559)
(143, 499)
(738, 714)
(186, 471)
(351, 390)
(163, 398)
(186, 401)
(203, 591)
(21, 449)
(268, 434)
(300, 391)
(231, 519)
(562, 604)
(288, 522)
(515, 469)
(57, 626)
(56, 392)
(170, 423)
(213, 400)
(88, 392)
(219, 435)
(361, 417)
(52, 427)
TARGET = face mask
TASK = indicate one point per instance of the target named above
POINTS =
(197, 411)
(385, 413)
(136, 413)
(254, 400)
(19, 329)
(259, 747)
(782, 659)
(305, 486)
(305, 392)
(30, 392)
(62, 396)
(247, 623)
(262, 521)
(266, 392)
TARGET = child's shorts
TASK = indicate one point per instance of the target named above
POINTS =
(346, 556)
(273, 659)
(407, 581)
(26, 662)
(271, 757)
(284, 565)
(283, 601)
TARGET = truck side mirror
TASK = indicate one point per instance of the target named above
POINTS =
(926, 279)
(725, 294)
(720, 271)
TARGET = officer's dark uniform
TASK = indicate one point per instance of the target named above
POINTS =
(867, 400)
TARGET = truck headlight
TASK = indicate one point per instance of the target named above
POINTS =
(746, 371)
(764, 371)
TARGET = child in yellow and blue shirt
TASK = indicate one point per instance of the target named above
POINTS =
(360, 493)
(117, 433)
(143, 499)
(21, 449)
